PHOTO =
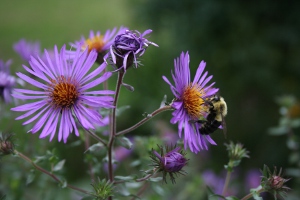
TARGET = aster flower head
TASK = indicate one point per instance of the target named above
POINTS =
(170, 161)
(26, 49)
(7, 82)
(64, 94)
(97, 41)
(189, 102)
(127, 48)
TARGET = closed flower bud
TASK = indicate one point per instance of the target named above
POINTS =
(6, 144)
(273, 182)
(127, 48)
(169, 161)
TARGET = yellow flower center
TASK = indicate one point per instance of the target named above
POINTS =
(94, 43)
(193, 101)
(64, 92)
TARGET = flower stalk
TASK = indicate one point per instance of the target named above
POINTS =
(50, 174)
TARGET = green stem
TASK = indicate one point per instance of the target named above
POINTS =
(50, 174)
(248, 196)
(228, 175)
(147, 118)
(113, 127)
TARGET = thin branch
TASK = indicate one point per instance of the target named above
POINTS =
(113, 127)
(147, 118)
(50, 174)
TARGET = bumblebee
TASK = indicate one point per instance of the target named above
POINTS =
(217, 110)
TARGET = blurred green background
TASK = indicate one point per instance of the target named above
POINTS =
(251, 49)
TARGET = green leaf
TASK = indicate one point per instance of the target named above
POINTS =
(282, 130)
(125, 142)
(125, 178)
(215, 197)
(156, 179)
(295, 123)
(59, 165)
(63, 183)
(232, 198)
(121, 109)
(254, 191)
(30, 177)
(95, 147)
(158, 189)
(209, 190)
(3, 197)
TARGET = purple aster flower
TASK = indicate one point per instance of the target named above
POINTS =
(27, 49)
(96, 41)
(169, 161)
(64, 94)
(127, 48)
(189, 103)
(7, 82)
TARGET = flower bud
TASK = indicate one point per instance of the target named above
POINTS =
(6, 144)
(127, 48)
(169, 161)
(273, 182)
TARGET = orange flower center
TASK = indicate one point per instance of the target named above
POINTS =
(193, 101)
(94, 43)
(64, 92)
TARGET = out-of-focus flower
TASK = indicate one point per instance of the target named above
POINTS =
(7, 82)
(96, 41)
(252, 179)
(189, 102)
(27, 49)
(127, 48)
(65, 94)
(170, 161)
(216, 182)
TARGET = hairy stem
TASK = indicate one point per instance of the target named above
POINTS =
(228, 175)
(113, 127)
(50, 174)
(147, 118)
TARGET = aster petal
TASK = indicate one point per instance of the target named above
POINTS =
(103, 92)
(97, 81)
(96, 72)
(29, 106)
(199, 71)
(31, 81)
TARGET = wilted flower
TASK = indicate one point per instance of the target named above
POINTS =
(7, 82)
(273, 182)
(64, 94)
(96, 41)
(27, 49)
(189, 102)
(127, 48)
(6, 144)
(169, 161)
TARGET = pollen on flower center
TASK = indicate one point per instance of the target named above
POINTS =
(94, 43)
(63, 92)
(193, 101)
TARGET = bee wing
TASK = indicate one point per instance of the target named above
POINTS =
(224, 126)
